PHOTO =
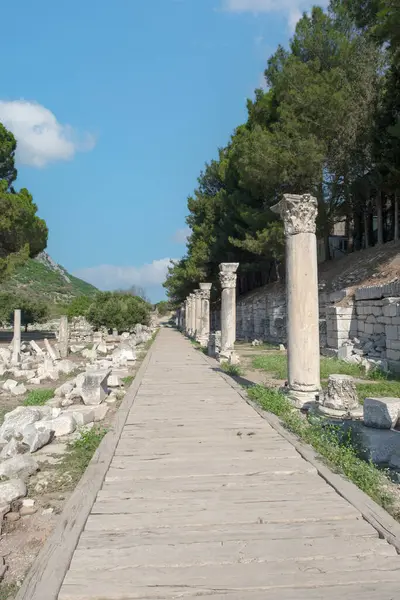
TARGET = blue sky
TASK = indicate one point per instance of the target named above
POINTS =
(116, 107)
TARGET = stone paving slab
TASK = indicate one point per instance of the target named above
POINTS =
(204, 499)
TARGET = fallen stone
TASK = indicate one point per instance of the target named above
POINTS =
(54, 402)
(102, 348)
(35, 380)
(62, 425)
(16, 421)
(25, 511)
(381, 413)
(5, 355)
(23, 373)
(79, 379)
(94, 388)
(66, 366)
(64, 389)
(49, 412)
(341, 394)
(100, 412)
(4, 509)
(36, 348)
(18, 390)
(345, 352)
(75, 348)
(12, 490)
(50, 350)
(12, 448)
(89, 354)
(82, 415)
(113, 381)
(37, 437)
(12, 517)
(20, 466)
(9, 385)
(66, 402)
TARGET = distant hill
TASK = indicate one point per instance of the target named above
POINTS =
(42, 277)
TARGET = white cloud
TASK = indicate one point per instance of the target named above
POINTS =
(293, 9)
(111, 277)
(41, 138)
(181, 235)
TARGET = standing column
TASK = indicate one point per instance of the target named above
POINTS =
(205, 291)
(187, 316)
(16, 352)
(192, 315)
(63, 337)
(197, 310)
(299, 214)
(227, 276)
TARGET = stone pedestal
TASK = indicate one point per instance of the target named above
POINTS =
(16, 352)
(299, 214)
(63, 337)
(205, 291)
(197, 312)
(340, 399)
(227, 277)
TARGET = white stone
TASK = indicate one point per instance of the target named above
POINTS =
(9, 384)
(113, 381)
(21, 465)
(12, 490)
(16, 421)
(18, 390)
(94, 388)
(66, 366)
(50, 350)
(82, 415)
(382, 413)
(100, 412)
(5, 355)
(36, 348)
(102, 348)
(62, 425)
(37, 435)
(64, 389)
(24, 373)
(90, 354)
(12, 448)
(75, 348)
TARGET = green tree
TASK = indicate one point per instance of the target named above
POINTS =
(8, 145)
(114, 310)
(32, 311)
(79, 307)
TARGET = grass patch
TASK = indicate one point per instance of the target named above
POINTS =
(232, 370)
(80, 452)
(276, 364)
(8, 591)
(338, 451)
(127, 381)
(380, 389)
(38, 397)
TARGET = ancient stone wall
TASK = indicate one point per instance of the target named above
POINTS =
(364, 325)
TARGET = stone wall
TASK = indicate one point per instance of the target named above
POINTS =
(364, 325)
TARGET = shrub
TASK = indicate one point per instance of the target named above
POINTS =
(32, 311)
(115, 310)
(79, 307)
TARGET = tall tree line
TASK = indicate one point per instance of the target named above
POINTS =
(329, 124)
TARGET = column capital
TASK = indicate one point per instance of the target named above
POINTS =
(298, 212)
(205, 290)
(197, 293)
(227, 274)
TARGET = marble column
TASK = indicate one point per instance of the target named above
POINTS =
(299, 214)
(187, 316)
(63, 337)
(205, 292)
(227, 276)
(16, 351)
(197, 310)
(192, 329)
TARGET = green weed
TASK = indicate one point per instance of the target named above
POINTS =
(80, 453)
(127, 381)
(38, 397)
(276, 365)
(338, 451)
(8, 591)
(233, 370)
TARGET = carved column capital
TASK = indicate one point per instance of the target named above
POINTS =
(298, 213)
(205, 290)
(227, 274)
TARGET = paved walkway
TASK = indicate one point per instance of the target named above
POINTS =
(204, 499)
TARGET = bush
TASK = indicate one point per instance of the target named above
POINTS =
(32, 311)
(163, 308)
(79, 307)
(115, 310)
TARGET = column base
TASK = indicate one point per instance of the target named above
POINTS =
(228, 356)
(303, 400)
(337, 413)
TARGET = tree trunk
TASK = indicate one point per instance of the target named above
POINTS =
(26, 328)
(379, 217)
(396, 216)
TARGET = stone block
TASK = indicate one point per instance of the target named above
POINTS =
(82, 415)
(371, 319)
(393, 355)
(392, 332)
(391, 309)
(62, 425)
(393, 344)
(12, 490)
(381, 413)
(16, 421)
(379, 329)
(20, 466)
(94, 388)
(369, 328)
(37, 435)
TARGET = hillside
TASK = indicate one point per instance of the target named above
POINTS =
(42, 277)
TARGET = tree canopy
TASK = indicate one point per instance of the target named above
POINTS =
(115, 310)
(327, 124)
(22, 233)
